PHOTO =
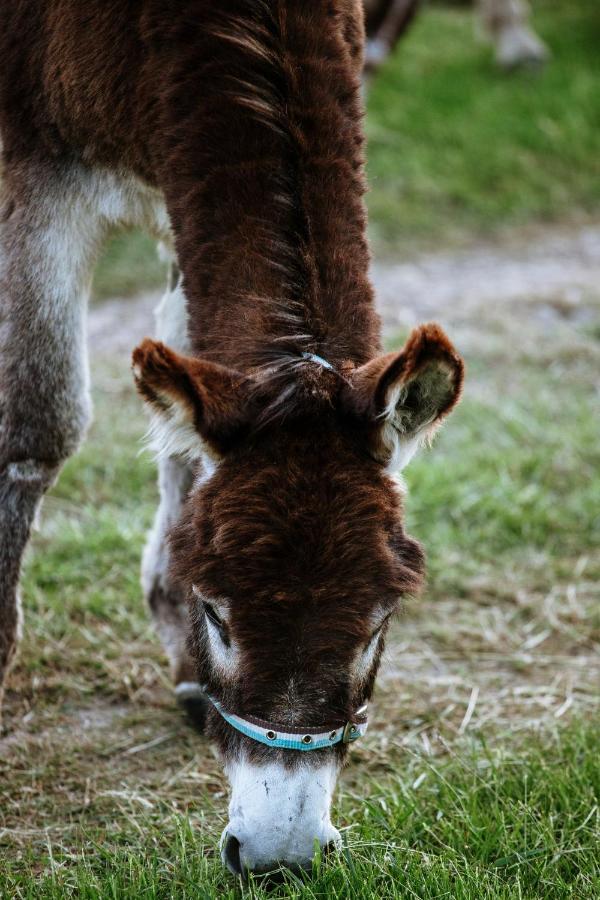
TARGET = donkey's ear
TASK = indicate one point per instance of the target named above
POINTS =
(404, 396)
(197, 406)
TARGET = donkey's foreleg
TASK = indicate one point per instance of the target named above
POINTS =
(165, 597)
(507, 23)
(46, 253)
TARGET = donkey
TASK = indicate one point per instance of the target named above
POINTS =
(232, 132)
(506, 22)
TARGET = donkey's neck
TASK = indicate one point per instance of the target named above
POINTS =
(264, 183)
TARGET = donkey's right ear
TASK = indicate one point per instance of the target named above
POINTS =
(197, 406)
(403, 397)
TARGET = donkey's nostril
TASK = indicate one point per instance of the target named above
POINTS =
(231, 855)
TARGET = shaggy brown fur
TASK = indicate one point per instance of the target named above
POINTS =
(300, 528)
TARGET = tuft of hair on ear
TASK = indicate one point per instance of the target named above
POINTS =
(197, 407)
(403, 396)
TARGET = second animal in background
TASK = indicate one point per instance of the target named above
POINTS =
(505, 22)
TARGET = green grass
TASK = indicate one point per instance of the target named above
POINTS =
(129, 264)
(512, 481)
(457, 149)
(482, 824)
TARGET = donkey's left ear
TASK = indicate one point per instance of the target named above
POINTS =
(404, 396)
(197, 406)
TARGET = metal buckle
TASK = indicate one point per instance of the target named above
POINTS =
(350, 733)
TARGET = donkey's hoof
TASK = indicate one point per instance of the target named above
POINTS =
(192, 699)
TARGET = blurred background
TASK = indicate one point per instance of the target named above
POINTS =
(460, 150)
(484, 202)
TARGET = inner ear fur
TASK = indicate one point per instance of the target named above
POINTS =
(196, 405)
(405, 395)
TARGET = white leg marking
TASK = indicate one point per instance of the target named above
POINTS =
(189, 690)
(171, 320)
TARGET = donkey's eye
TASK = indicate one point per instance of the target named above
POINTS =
(374, 636)
(213, 617)
(379, 629)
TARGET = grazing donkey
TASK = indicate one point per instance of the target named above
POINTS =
(505, 21)
(233, 133)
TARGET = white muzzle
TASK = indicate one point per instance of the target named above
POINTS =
(278, 816)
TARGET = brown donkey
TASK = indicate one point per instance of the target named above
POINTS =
(231, 131)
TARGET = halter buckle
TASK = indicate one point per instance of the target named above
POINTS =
(350, 733)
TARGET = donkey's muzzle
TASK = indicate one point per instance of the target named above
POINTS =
(279, 815)
(241, 864)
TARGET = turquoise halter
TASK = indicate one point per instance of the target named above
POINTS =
(285, 738)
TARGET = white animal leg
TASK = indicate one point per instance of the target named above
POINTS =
(165, 597)
(507, 23)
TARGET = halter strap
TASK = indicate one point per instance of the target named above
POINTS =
(285, 738)
(312, 357)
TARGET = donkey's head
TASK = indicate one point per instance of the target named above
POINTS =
(293, 552)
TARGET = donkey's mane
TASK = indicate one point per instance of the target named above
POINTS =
(283, 87)
(263, 87)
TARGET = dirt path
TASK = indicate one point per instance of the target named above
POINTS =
(554, 274)
(551, 277)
